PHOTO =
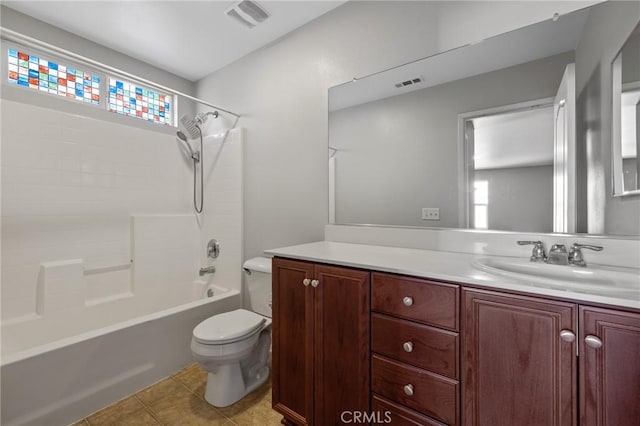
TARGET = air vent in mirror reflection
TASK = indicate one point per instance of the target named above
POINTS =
(408, 82)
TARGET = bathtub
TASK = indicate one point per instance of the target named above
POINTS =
(61, 381)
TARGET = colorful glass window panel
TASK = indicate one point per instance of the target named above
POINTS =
(51, 77)
(135, 101)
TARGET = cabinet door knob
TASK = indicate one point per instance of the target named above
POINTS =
(407, 346)
(407, 301)
(315, 283)
(306, 282)
(408, 390)
(567, 336)
(593, 341)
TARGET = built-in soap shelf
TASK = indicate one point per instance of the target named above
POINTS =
(67, 284)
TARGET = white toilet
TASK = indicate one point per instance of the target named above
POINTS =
(233, 347)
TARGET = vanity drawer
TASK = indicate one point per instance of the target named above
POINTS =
(432, 394)
(388, 412)
(416, 344)
(416, 299)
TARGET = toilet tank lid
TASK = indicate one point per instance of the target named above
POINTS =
(258, 264)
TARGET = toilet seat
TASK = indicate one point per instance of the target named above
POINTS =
(228, 327)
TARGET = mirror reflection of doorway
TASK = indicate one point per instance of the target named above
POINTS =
(519, 164)
(511, 169)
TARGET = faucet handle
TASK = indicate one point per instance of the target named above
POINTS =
(576, 246)
(537, 254)
(575, 253)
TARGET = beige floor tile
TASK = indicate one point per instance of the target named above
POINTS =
(179, 400)
(128, 412)
(82, 422)
(185, 409)
(260, 414)
(193, 377)
(166, 388)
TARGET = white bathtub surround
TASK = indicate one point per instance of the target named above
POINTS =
(624, 252)
(443, 265)
(100, 257)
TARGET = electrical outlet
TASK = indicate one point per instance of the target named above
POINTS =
(431, 213)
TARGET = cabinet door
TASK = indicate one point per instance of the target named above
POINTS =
(293, 340)
(610, 373)
(516, 368)
(342, 351)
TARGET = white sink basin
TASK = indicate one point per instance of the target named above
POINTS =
(594, 279)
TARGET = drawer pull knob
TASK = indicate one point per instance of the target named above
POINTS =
(315, 283)
(593, 341)
(407, 346)
(407, 301)
(306, 282)
(408, 390)
(567, 336)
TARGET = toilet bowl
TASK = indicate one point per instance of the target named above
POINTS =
(233, 347)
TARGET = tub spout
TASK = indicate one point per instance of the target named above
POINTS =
(205, 271)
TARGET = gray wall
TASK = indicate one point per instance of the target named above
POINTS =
(282, 92)
(607, 28)
(400, 154)
(520, 198)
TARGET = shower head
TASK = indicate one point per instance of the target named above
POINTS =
(190, 126)
(194, 154)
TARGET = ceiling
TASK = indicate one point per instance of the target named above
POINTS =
(188, 38)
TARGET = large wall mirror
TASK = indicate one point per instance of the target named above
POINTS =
(494, 135)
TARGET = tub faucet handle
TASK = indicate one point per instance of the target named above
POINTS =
(537, 254)
(208, 270)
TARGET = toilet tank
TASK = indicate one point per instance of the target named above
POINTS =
(258, 280)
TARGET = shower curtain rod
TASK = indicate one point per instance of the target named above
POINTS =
(11, 35)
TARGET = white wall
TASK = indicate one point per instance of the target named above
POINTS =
(282, 90)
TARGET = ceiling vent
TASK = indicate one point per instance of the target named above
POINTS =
(247, 12)
(408, 82)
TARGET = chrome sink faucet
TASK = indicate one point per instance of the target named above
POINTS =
(558, 255)
(537, 254)
(575, 253)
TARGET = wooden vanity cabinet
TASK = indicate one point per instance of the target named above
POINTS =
(609, 367)
(321, 335)
(516, 368)
(422, 352)
(520, 363)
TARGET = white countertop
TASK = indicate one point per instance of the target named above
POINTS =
(438, 265)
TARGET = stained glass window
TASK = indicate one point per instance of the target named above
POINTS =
(128, 98)
(41, 74)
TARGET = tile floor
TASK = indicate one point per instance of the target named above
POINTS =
(179, 400)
